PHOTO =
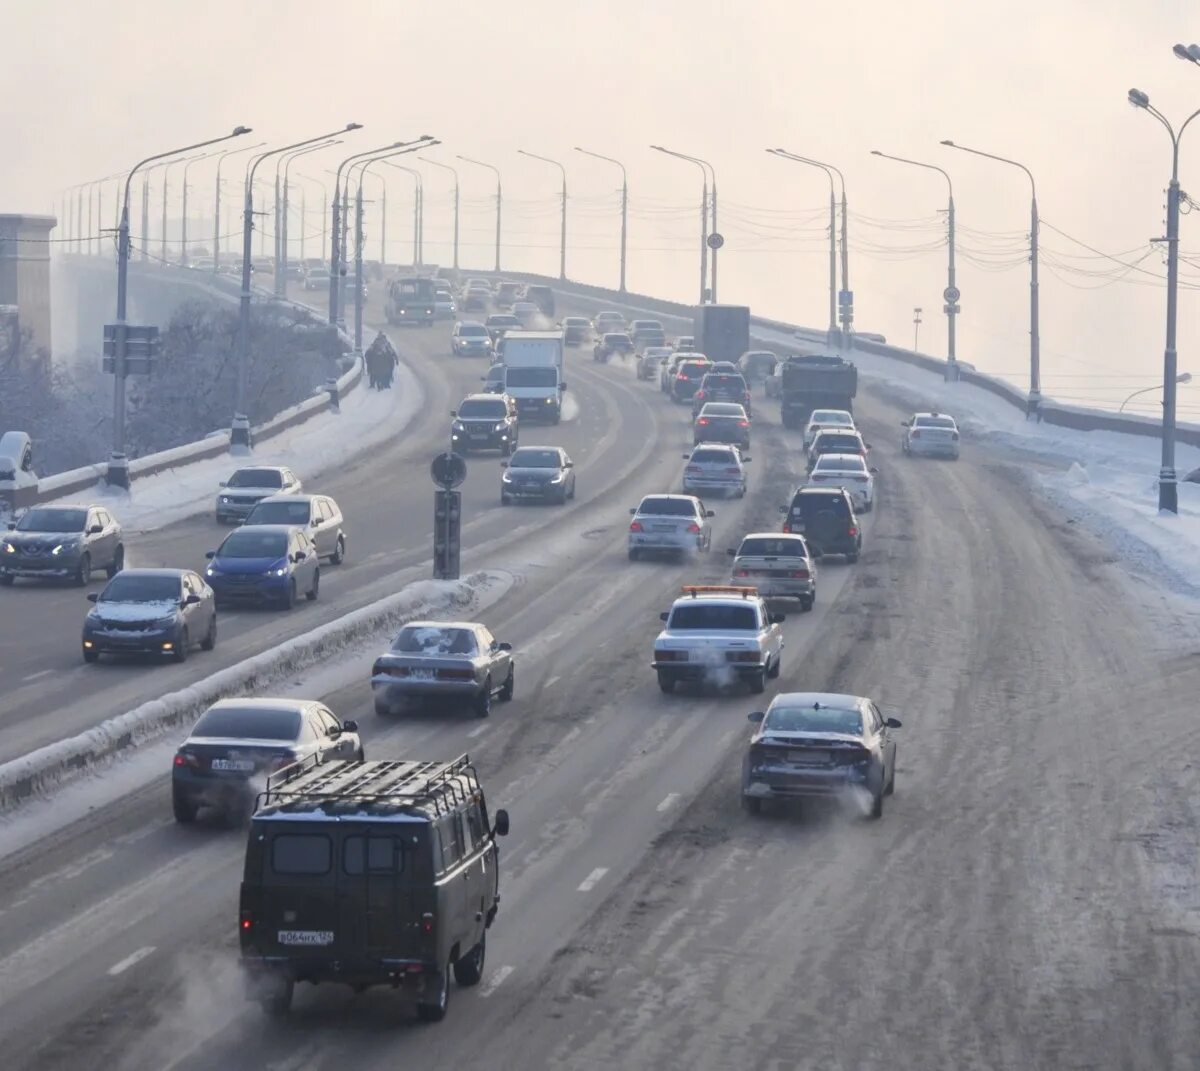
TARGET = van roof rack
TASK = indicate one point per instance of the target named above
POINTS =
(382, 786)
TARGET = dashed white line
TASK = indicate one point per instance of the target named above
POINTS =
(549, 680)
(669, 802)
(493, 983)
(593, 879)
(478, 731)
(130, 961)
(36, 676)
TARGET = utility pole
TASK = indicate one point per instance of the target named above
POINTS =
(916, 330)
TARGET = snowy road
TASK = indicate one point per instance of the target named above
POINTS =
(1028, 901)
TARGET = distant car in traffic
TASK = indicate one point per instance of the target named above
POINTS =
(605, 322)
(817, 744)
(493, 382)
(470, 339)
(247, 486)
(650, 359)
(527, 313)
(930, 435)
(722, 422)
(849, 471)
(826, 518)
(506, 294)
(316, 279)
(685, 344)
(576, 330)
(686, 381)
(671, 524)
(151, 611)
(757, 365)
(611, 343)
(647, 333)
(668, 368)
(451, 660)
(542, 297)
(268, 564)
(484, 422)
(715, 468)
(66, 542)
(237, 742)
(779, 565)
(538, 473)
(822, 419)
(319, 516)
(444, 306)
(836, 441)
(722, 387)
(476, 298)
(499, 323)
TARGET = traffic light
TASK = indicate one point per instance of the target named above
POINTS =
(447, 528)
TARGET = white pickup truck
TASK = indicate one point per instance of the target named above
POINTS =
(717, 634)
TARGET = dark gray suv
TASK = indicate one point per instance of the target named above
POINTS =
(62, 542)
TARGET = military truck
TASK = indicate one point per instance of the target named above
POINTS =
(369, 873)
(814, 381)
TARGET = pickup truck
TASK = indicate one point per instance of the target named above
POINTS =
(716, 634)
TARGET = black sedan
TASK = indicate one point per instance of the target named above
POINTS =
(538, 473)
(162, 612)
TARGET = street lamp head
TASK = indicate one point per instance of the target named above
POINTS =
(354, 126)
(1184, 377)
(1138, 99)
(240, 130)
(1194, 52)
(1182, 52)
(876, 152)
(947, 141)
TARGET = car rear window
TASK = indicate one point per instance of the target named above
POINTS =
(301, 853)
(667, 507)
(765, 547)
(934, 422)
(811, 505)
(713, 457)
(831, 416)
(702, 615)
(693, 370)
(840, 464)
(248, 723)
(838, 444)
(814, 720)
(428, 640)
(723, 409)
(724, 381)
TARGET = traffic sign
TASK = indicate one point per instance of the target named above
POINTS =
(845, 297)
(715, 240)
(951, 309)
(951, 294)
(142, 346)
(448, 470)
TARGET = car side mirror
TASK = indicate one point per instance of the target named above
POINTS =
(710, 513)
(874, 472)
(747, 460)
(454, 412)
(501, 827)
(350, 726)
(665, 615)
(632, 512)
(783, 509)
(192, 600)
(504, 464)
(562, 386)
(317, 522)
(569, 465)
(756, 716)
(776, 619)
(731, 552)
(210, 554)
(12, 526)
(893, 723)
(504, 646)
(93, 596)
(223, 483)
(95, 529)
(686, 457)
(299, 556)
(904, 423)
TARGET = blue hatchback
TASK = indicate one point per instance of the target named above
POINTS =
(268, 563)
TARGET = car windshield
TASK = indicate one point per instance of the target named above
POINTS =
(256, 478)
(838, 443)
(430, 640)
(129, 587)
(713, 457)
(479, 407)
(723, 409)
(933, 422)
(841, 464)
(668, 507)
(813, 719)
(248, 723)
(531, 377)
(53, 520)
(279, 513)
(772, 547)
(535, 459)
(810, 505)
(249, 543)
(832, 416)
(472, 331)
(700, 615)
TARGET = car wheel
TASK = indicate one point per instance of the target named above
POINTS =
(891, 785)
(807, 604)
(482, 704)
(382, 707)
(118, 563)
(210, 641)
(752, 804)
(315, 590)
(183, 808)
(339, 551)
(506, 691)
(758, 683)
(84, 572)
(181, 646)
(852, 557)
(666, 683)
(91, 655)
(435, 1011)
(504, 499)
(634, 553)
(876, 804)
(468, 969)
(289, 598)
(278, 1001)
(773, 671)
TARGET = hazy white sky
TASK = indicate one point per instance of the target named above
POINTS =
(88, 89)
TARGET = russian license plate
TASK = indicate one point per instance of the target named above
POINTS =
(421, 674)
(306, 937)
(236, 765)
(478, 436)
(809, 758)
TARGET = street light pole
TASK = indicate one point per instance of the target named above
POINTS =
(703, 216)
(499, 199)
(562, 248)
(454, 172)
(1168, 487)
(217, 202)
(117, 474)
(282, 211)
(951, 295)
(418, 206)
(1035, 361)
(917, 329)
(183, 235)
(324, 214)
(624, 204)
(1183, 377)
(832, 334)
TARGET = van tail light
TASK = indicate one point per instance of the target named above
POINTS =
(680, 377)
(693, 528)
(186, 758)
(247, 922)
(636, 526)
(700, 395)
(741, 572)
(787, 526)
(427, 922)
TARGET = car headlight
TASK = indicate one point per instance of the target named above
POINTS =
(66, 544)
(225, 500)
(549, 401)
(558, 477)
(9, 549)
(499, 427)
(212, 570)
(281, 571)
(456, 426)
(506, 478)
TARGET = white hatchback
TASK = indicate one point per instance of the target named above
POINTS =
(826, 418)
(849, 471)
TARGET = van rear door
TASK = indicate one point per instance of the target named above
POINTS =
(298, 902)
(383, 869)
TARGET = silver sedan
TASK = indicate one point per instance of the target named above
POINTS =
(454, 660)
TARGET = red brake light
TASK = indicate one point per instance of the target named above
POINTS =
(787, 526)
(693, 527)
(743, 423)
(700, 394)
(916, 434)
(852, 531)
(247, 921)
(186, 758)
(741, 572)
(799, 574)
(636, 526)
(427, 921)
(703, 421)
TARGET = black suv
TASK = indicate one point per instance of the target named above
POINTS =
(721, 387)
(64, 542)
(484, 422)
(369, 873)
(825, 517)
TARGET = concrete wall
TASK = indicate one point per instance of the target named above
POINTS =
(25, 273)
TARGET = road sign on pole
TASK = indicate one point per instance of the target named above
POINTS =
(845, 297)
(715, 240)
(951, 295)
(142, 346)
(448, 470)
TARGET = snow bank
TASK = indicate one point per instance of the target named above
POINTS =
(55, 764)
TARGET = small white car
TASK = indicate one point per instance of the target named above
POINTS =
(717, 634)
(247, 487)
(850, 471)
(826, 418)
(778, 564)
(669, 524)
(715, 467)
(930, 435)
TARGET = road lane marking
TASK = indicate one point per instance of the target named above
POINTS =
(478, 732)
(549, 681)
(668, 803)
(36, 676)
(493, 983)
(131, 960)
(593, 879)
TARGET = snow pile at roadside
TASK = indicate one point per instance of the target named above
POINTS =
(55, 764)
(367, 418)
